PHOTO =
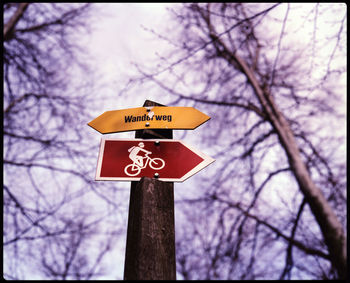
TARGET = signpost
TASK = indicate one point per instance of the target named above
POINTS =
(152, 117)
(152, 161)
(150, 243)
(130, 160)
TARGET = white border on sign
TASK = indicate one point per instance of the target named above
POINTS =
(206, 161)
(99, 160)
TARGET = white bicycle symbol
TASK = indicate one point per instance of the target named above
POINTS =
(135, 169)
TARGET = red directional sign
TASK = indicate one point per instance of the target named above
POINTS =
(167, 160)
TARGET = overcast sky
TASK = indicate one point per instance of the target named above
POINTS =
(119, 38)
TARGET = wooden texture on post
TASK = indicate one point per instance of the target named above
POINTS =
(150, 243)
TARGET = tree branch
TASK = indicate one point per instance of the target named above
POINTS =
(10, 25)
(290, 240)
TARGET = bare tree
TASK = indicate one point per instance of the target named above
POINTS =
(48, 165)
(273, 100)
(67, 256)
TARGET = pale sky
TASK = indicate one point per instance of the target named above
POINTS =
(120, 37)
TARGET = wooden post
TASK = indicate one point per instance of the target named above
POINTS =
(150, 244)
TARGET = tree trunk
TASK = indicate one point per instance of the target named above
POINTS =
(330, 226)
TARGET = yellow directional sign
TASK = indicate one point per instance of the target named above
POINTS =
(156, 117)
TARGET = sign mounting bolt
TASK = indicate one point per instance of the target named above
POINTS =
(157, 143)
(147, 124)
(156, 175)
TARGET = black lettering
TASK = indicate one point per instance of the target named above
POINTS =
(169, 118)
(128, 119)
(145, 117)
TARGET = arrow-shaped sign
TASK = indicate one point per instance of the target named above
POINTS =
(148, 118)
(167, 160)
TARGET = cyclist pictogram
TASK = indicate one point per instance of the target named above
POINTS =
(140, 162)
